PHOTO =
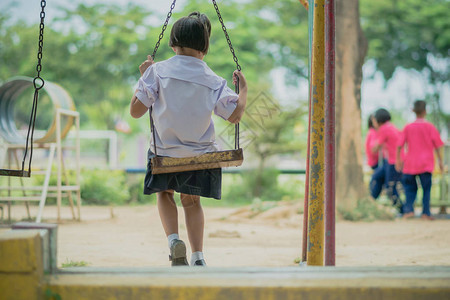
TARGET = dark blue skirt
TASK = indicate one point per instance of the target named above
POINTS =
(204, 183)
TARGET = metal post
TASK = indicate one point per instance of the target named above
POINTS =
(8, 153)
(58, 165)
(330, 250)
(78, 154)
(316, 175)
(306, 200)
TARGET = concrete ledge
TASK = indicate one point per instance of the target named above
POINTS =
(15, 286)
(49, 242)
(21, 264)
(20, 251)
(252, 283)
(22, 277)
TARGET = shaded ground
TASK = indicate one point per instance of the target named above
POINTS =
(133, 236)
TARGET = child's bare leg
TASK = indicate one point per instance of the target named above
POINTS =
(168, 212)
(195, 221)
(169, 219)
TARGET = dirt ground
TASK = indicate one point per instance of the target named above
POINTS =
(133, 236)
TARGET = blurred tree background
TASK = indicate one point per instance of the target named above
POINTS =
(414, 35)
(94, 52)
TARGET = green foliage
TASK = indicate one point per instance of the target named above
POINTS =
(279, 134)
(71, 263)
(98, 187)
(283, 34)
(259, 206)
(405, 34)
(101, 187)
(262, 186)
(414, 35)
(49, 295)
(136, 189)
(367, 210)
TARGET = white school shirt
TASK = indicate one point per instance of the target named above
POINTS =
(184, 92)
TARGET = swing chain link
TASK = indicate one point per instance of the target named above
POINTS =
(238, 67)
(38, 77)
(226, 35)
(37, 86)
(161, 35)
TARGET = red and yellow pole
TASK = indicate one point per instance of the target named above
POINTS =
(306, 199)
(330, 145)
(316, 231)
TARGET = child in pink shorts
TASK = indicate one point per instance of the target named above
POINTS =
(419, 138)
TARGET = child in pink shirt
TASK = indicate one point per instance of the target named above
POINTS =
(387, 139)
(378, 167)
(371, 138)
(420, 138)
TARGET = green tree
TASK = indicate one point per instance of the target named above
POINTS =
(97, 58)
(277, 135)
(414, 35)
(283, 34)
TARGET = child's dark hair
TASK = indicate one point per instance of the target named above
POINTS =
(370, 123)
(382, 116)
(192, 31)
(420, 107)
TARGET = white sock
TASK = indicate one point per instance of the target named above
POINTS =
(196, 256)
(172, 237)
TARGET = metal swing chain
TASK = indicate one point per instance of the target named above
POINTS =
(226, 35)
(161, 35)
(238, 67)
(38, 84)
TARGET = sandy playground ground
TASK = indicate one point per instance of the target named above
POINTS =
(133, 236)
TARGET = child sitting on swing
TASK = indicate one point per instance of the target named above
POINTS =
(183, 92)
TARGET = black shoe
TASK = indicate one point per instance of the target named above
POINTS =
(178, 253)
(200, 262)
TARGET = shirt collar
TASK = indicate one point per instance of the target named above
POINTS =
(190, 69)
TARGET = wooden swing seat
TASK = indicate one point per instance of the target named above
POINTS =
(16, 173)
(211, 160)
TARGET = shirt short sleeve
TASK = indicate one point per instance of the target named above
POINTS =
(226, 102)
(147, 90)
(402, 137)
(437, 141)
(381, 135)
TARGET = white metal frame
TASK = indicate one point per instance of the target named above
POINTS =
(45, 188)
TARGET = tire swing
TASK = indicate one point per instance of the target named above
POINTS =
(38, 84)
(218, 159)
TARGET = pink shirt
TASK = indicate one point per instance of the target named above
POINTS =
(388, 137)
(421, 138)
(371, 139)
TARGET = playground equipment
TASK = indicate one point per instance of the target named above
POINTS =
(64, 115)
(11, 91)
(38, 84)
(64, 118)
(442, 180)
(319, 203)
(219, 159)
